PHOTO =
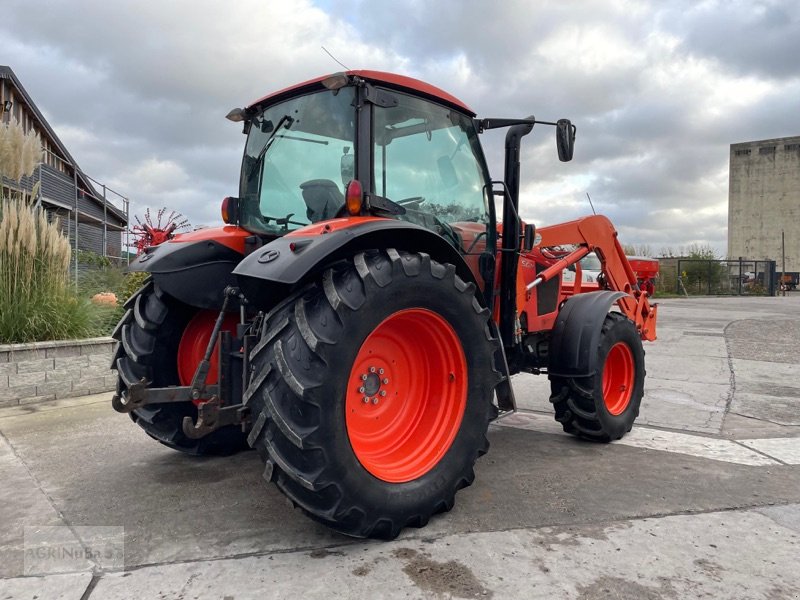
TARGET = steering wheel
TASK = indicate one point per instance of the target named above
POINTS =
(282, 221)
(412, 200)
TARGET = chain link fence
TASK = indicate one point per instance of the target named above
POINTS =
(694, 277)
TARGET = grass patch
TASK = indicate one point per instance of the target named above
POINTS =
(104, 317)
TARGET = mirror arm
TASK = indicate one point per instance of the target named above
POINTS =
(492, 123)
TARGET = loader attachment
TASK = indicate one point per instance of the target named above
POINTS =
(597, 234)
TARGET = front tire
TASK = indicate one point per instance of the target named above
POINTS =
(407, 334)
(604, 406)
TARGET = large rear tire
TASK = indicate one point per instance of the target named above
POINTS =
(149, 335)
(604, 406)
(372, 392)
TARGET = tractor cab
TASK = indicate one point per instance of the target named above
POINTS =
(363, 144)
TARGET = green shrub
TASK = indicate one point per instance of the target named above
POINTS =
(133, 281)
(36, 300)
(104, 318)
(99, 274)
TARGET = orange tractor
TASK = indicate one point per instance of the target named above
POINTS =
(358, 319)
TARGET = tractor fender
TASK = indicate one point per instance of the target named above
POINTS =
(194, 272)
(276, 269)
(577, 333)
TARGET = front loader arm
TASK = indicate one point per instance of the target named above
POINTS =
(597, 234)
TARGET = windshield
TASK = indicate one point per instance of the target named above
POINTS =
(426, 158)
(298, 158)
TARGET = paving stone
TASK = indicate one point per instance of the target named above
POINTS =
(63, 351)
(8, 368)
(33, 366)
(17, 392)
(26, 355)
(59, 375)
(59, 388)
(71, 362)
(29, 378)
(100, 360)
(90, 385)
(90, 349)
(96, 371)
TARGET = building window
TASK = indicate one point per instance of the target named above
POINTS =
(742, 152)
(766, 150)
(792, 147)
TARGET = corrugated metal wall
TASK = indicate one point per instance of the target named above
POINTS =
(60, 189)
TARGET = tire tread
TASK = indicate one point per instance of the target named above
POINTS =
(577, 401)
(301, 463)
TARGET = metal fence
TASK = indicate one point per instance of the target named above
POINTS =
(85, 223)
(693, 277)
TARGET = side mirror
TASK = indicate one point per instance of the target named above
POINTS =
(565, 139)
(528, 237)
(348, 168)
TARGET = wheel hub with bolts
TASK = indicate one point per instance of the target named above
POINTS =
(370, 385)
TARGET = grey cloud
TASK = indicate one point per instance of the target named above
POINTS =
(153, 81)
(761, 38)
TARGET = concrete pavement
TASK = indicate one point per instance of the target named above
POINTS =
(702, 499)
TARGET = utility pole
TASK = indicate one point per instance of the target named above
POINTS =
(783, 263)
(75, 185)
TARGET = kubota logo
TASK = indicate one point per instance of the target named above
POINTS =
(269, 256)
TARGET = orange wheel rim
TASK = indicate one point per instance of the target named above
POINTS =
(192, 347)
(618, 376)
(406, 395)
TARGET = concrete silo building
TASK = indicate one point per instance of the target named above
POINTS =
(764, 200)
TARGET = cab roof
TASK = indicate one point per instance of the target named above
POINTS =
(390, 80)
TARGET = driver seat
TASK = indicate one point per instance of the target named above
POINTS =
(323, 199)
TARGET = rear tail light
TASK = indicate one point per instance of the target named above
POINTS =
(230, 210)
(354, 197)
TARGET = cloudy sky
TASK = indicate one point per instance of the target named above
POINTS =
(658, 90)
